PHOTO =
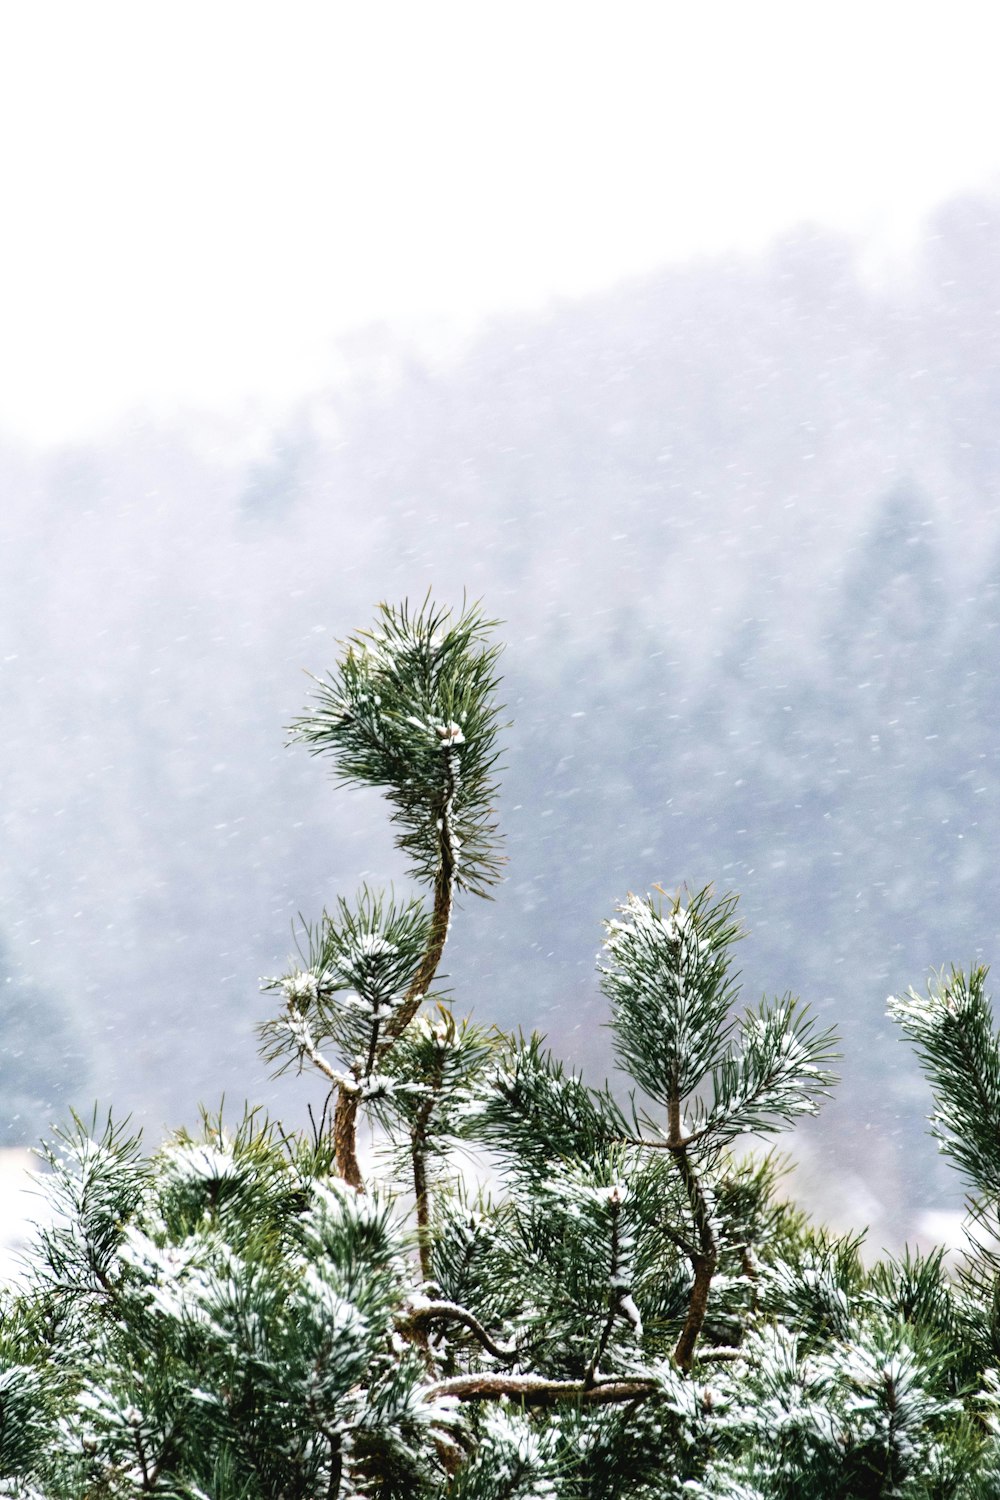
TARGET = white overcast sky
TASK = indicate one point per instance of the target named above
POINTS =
(199, 196)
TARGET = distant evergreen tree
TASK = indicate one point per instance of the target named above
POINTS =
(42, 1066)
(885, 641)
(627, 1308)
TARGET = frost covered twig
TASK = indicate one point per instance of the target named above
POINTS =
(299, 1030)
(421, 1311)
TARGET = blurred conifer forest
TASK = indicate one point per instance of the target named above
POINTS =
(741, 524)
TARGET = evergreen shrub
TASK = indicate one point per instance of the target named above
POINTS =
(629, 1308)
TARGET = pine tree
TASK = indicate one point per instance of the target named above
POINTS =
(626, 1308)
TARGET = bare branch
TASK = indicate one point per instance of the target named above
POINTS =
(535, 1390)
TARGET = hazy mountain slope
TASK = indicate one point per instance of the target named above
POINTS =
(741, 524)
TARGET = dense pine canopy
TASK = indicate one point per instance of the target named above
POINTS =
(478, 1275)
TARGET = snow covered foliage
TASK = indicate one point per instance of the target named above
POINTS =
(952, 1028)
(358, 965)
(629, 1311)
(221, 1323)
(411, 709)
(668, 977)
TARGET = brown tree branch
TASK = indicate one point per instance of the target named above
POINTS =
(345, 1137)
(345, 1130)
(418, 1158)
(705, 1259)
(417, 1315)
(535, 1390)
(444, 896)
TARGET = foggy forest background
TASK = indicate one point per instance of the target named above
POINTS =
(741, 524)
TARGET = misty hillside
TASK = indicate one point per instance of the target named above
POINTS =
(740, 522)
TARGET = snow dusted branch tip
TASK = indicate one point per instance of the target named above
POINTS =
(667, 975)
(357, 973)
(952, 1028)
(411, 708)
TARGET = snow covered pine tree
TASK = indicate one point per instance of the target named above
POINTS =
(629, 1311)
